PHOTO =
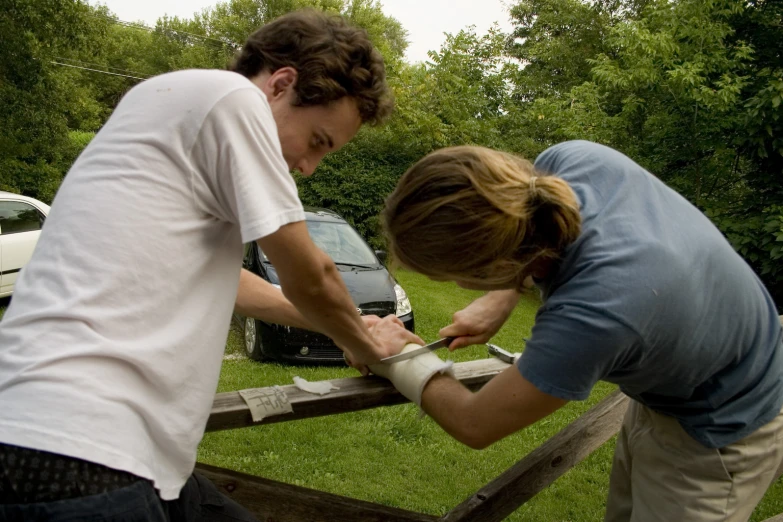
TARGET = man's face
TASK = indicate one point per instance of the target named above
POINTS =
(307, 134)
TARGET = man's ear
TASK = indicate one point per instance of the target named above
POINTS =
(281, 81)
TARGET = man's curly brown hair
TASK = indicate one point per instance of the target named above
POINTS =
(333, 59)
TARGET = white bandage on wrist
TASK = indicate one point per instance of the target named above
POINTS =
(411, 376)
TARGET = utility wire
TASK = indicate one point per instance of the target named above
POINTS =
(167, 29)
(135, 26)
(98, 71)
(100, 65)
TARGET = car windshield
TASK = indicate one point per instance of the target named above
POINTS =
(342, 243)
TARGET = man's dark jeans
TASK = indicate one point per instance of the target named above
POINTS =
(199, 501)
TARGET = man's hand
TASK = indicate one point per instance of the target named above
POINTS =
(411, 376)
(390, 338)
(478, 322)
(371, 320)
(310, 280)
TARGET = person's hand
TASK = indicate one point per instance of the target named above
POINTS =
(412, 375)
(390, 338)
(478, 322)
(371, 320)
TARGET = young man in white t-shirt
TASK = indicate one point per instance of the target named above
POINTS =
(110, 352)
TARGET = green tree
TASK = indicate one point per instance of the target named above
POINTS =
(212, 36)
(761, 26)
(690, 89)
(458, 97)
(555, 39)
(37, 97)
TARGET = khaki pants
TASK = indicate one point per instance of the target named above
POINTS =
(661, 474)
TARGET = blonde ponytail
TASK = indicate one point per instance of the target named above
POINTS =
(478, 215)
(555, 221)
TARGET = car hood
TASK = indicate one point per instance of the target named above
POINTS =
(365, 286)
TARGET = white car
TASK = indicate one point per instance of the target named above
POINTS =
(21, 219)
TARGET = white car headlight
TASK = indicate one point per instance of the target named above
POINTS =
(403, 303)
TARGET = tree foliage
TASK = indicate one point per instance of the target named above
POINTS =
(690, 89)
(35, 103)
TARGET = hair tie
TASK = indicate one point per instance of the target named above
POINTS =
(532, 184)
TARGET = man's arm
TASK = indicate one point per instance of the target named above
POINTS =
(259, 299)
(506, 404)
(311, 282)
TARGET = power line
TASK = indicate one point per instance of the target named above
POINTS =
(96, 70)
(101, 65)
(168, 29)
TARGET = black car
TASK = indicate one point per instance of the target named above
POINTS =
(374, 291)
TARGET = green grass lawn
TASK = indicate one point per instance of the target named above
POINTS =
(392, 456)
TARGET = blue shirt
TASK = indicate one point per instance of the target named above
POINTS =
(653, 298)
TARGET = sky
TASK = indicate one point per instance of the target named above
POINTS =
(425, 20)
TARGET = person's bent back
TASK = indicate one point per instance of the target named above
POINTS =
(110, 351)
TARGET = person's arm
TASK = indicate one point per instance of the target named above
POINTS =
(478, 322)
(570, 349)
(310, 281)
(258, 299)
(261, 300)
(242, 178)
(505, 405)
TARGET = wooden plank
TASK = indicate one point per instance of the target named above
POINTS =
(546, 463)
(542, 466)
(229, 411)
(356, 393)
(272, 501)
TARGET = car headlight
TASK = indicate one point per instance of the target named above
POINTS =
(403, 303)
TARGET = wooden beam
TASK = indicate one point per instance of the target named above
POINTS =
(356, 393)
(542, 466)
(229, 411)
(546, 463)
(272, 501)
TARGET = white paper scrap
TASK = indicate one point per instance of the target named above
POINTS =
(319, 387)
(264, 402)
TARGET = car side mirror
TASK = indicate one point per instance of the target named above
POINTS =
(381, 254)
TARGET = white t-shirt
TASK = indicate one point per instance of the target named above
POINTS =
(111, 348)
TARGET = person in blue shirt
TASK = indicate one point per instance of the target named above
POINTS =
(638, 289)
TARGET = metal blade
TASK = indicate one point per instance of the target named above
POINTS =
(424, 349)
(500, 353)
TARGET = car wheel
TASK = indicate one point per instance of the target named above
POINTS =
(253, 343)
